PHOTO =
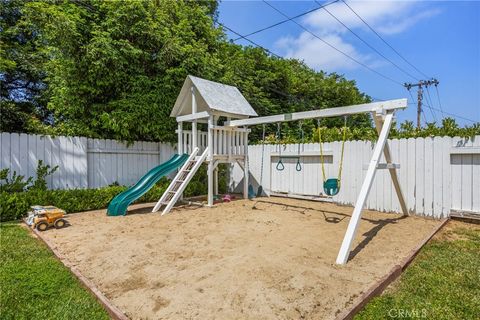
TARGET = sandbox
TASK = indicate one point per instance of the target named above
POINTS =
(271, 258)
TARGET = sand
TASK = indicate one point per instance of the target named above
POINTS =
(276, 261)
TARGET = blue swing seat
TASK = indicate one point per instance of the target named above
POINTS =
(331, 186)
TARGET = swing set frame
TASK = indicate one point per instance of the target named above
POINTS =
(383, 115)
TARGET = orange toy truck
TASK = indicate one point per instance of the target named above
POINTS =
(42, 217)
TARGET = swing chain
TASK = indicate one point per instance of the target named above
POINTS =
(321, 150)
(263, 154)
(343, 148)
(298, 167)
(280, 166)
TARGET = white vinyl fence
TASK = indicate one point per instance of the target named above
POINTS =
(437, 175)
(82, 162)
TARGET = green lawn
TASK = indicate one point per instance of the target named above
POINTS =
(443, 282)
(35, 285)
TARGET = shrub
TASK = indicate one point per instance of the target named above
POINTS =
(16, 198)
(18, 183)
(43, 171)
(16, 205)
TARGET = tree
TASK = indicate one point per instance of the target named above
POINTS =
(22, 86)
(113, 69)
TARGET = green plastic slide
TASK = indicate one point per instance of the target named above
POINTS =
(118, 206)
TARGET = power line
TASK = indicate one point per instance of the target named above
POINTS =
(457, 116)
(424, 117)
(421, 85)
(384, 41)
(438, 97)
(432, 112)
(367, 44)
(430, 103)
(447, 113)
(286, 20)
(333, 47)
(244, 37)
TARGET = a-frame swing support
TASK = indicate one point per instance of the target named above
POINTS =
(383, 125)
(383, 115)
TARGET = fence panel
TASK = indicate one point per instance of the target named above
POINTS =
(434, 179)
(436, 174)
(82, 162)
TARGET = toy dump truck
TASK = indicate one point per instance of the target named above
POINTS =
(42, 217)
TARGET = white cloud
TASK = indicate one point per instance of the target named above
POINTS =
(387, 17)
(393, 27)
(318, 54)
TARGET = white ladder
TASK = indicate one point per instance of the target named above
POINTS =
(180, 182)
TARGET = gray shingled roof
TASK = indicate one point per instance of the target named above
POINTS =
(212, 96)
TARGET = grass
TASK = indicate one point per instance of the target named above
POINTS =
(35, 285)
(443, 282)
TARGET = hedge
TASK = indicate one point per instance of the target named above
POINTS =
(15, 205)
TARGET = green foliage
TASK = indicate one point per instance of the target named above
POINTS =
(116, 64)
(43, 171)
(113, 69)
(22, 85)
(198, 185)
(36, 285)
(17, 183)
(15, 205)
(448, 128)
(442, 283)
(274, 86)
(108, 66)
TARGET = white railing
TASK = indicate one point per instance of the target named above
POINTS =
(229, 142)
(187, 141)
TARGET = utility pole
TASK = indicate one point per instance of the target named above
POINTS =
(420, 85)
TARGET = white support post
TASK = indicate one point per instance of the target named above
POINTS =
(210, 161)
(194, 122)
(180, 138)
(215, 180)
(344, 252)
(229, 142)
(245, 167)
(180, 142)
(391, 168)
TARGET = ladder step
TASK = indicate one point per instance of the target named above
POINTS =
(182, 179)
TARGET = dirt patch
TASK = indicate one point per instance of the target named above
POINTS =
(455, 230)
(276, 261)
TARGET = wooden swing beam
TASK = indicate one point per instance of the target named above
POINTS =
(383, 115)
(378, 107)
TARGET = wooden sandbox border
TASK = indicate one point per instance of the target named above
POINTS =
(112, 310)
(386, 280)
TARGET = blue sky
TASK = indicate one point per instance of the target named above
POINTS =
(440, 38)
